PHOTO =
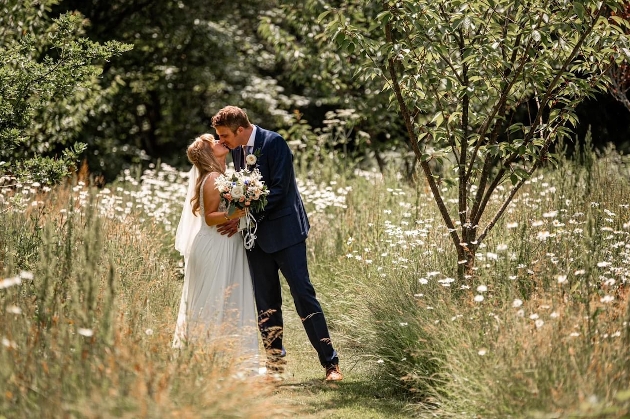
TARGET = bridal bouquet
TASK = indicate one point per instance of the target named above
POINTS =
(246, 190)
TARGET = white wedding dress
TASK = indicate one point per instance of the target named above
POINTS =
(217, 304)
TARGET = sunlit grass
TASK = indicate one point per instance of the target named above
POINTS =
(87, 309)
(540, 330)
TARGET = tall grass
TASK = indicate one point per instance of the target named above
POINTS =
(541, 330)
(87, 311)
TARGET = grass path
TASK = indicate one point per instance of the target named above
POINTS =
(308, 396)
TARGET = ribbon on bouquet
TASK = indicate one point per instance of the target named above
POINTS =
(249, 229)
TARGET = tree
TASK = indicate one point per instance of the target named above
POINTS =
(190, 58)
(620, 73)
(315, 68)
(485, 85)
(48, 86)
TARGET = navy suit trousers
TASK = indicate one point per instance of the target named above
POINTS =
(292, 263)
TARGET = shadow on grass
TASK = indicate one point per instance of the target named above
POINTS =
(348, 399)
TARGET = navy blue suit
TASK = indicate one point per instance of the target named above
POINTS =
(281, 246)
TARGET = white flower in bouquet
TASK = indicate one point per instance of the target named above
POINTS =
(237, 191)
(243, 189)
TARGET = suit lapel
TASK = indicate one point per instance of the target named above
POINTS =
(258, 141)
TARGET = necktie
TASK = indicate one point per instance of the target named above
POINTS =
(246, 152)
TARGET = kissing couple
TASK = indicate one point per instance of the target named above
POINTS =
(231, 291)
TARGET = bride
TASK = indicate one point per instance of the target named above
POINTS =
(217, 303)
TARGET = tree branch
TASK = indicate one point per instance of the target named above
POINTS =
(414, 143)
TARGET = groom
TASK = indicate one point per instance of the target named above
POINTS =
(281, 240)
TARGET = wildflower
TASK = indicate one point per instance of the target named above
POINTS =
(482, 288)
(539, 323)
(446, 282)
(607, 299)
(478, 298)
(554, 315)
(562, 279)
(423, 281)
(9, 343)
(14, 310)
(517, 303)
(149, 332)
(380, 361)
(533, 316)
(603, 264)
(26, 275)
(550, 214)
(85, 332)
(511, 225)
(574, 334)
(9, 282)
(482, 352)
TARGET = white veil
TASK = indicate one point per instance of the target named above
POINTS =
(189, 223)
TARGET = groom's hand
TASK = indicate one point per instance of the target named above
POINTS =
(229, 227)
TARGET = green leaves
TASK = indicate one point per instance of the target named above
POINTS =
(49, 81)
(579, 10)
(493, 84)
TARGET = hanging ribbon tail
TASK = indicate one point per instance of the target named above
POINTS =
(249, 235)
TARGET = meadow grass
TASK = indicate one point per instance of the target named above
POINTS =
(540, 330)
(92, 283)
(86, 321)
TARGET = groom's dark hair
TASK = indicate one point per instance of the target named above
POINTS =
(231, 117)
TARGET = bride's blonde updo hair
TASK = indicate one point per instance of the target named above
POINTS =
(200, 154)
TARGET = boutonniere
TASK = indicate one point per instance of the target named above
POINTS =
(251, 159)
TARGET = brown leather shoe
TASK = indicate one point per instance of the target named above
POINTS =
(333, 373)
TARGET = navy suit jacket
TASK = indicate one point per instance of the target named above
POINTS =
(283, 222)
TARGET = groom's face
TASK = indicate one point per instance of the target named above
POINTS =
(228, 137)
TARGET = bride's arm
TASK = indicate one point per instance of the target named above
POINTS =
(211, 200)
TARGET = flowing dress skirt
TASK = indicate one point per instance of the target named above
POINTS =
(217, 304)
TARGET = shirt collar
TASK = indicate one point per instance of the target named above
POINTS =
(252, 138)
